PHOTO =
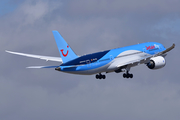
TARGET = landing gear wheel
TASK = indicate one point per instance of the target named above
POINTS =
(128, 76)
(97, 76)
(124, 75)
(131, 75)
(103, 76)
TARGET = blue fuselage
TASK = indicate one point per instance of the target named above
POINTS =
(103, 61)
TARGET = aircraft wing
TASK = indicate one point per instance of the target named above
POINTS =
(165, 51)
(144, 59)
(47, 58)
(135, 61)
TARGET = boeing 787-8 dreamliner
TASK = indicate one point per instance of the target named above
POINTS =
(116, 60)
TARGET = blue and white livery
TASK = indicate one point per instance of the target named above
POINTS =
(115, 60)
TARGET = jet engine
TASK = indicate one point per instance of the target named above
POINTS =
(156, 63)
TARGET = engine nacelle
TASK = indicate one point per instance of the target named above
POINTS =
(156, 63)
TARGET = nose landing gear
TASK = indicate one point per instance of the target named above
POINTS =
(100, 76)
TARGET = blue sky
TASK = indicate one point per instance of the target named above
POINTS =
(6, 7)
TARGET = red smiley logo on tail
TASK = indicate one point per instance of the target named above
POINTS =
(63, 52)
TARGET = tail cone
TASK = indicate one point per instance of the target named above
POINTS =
(58, 69)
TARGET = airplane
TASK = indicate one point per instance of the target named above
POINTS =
(118, 60)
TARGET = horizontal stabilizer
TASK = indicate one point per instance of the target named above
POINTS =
(39, 67)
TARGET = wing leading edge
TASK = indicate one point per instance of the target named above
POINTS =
(167, 50)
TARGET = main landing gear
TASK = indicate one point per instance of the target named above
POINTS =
(127, 75)
(100, 76)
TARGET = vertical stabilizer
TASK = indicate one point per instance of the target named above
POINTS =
(65, 50)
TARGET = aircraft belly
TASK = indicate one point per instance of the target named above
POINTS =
(90, 71)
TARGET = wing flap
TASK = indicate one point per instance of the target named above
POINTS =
(47, 58)
(136, 61)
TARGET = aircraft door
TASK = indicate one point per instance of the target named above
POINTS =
(111, 57)
(88, 63)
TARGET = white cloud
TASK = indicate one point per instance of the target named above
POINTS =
(48, 94)
(90, 100)
(32, 11)
(115, 7)
(35, 11)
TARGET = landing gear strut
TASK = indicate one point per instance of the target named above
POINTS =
(100, 76)
(127, 75)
